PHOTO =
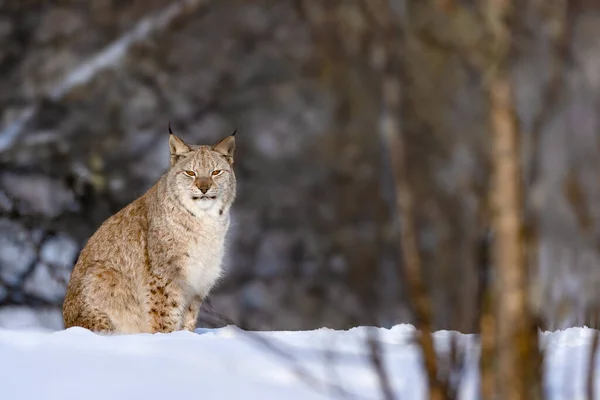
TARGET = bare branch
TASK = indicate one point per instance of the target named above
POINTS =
(390, 130)
(455, 373)
(376, 358)
(115, 53)
(303, 373)
(110, 57)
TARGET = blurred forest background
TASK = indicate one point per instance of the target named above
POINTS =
(87, 89)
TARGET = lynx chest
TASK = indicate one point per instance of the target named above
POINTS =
(203, 261)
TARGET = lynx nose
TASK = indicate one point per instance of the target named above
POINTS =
(203, 184)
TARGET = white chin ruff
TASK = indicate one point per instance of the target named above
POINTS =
(204, 204)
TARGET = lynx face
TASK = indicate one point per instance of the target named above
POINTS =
(202, 176)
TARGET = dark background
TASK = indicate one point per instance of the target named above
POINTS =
(87, 89)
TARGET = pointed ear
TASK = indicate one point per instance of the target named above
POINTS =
(177, 147)
(226, 147)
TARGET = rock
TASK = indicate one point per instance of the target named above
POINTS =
(22, 317)
(5, 203)
(16, 251)
(48, 283)
(51, 275)
(38, 194)
(59, 251)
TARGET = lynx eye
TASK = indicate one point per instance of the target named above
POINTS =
(216, 172)
(191, 174)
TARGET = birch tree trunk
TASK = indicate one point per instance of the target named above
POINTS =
(517, 336)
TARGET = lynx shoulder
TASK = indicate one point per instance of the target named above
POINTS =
(149, 267)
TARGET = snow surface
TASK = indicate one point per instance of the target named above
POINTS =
(229, 363)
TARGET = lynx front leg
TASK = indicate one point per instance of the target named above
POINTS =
(191, 314)
(166, 303)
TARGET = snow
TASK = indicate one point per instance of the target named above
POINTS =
(229, 363)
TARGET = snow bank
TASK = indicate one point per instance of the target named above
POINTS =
(228, 363)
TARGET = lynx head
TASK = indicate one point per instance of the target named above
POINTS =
(202, 175)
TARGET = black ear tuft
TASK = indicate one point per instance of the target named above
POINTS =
(170, 131)
(234, 132)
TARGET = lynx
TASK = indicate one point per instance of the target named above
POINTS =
(148, 267)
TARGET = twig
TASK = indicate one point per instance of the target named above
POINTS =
(298, 369)
(376, 358)
(456, 366)
(331, 358)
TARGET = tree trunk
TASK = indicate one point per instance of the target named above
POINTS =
(516, 340)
